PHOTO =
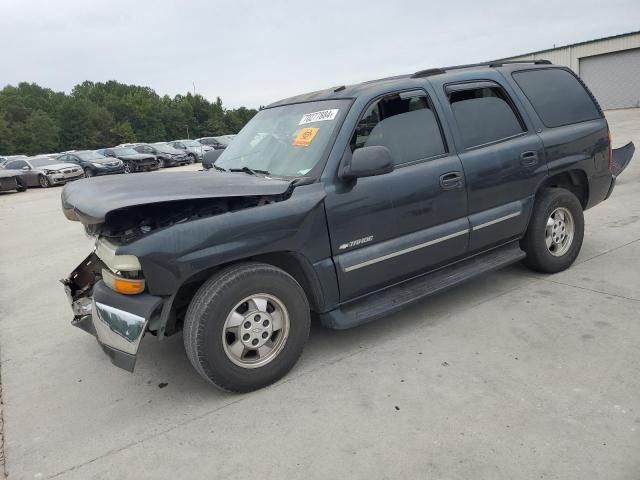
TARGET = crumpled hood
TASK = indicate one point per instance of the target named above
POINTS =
(89, 201)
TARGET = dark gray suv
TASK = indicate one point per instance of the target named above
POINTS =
(352, 203)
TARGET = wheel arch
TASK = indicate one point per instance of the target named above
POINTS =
(292, 263)
(576, 181)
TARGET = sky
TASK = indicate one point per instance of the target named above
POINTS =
(251, 53)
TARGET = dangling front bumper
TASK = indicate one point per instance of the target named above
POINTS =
(117, 321)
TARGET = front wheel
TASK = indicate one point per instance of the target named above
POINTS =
(246, 327)
(44, 182)
(161, 163)
(555, 233)
(127, 167)
(88, 173)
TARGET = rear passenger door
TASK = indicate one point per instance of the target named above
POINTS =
(502, 157)
(390, 227)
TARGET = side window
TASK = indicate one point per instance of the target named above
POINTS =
(405, 123)
(557, 96)
(16, 165)
(484, 115)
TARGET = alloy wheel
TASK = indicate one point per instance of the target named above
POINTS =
(255, 331)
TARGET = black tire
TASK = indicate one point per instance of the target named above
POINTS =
(216, 299)
(22, 186)
(539, 256)
(192, 158)
(44, 181)
(161, 163)
(127, 167)
(89, 173)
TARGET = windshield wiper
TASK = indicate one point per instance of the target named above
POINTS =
(219, 168)
(248, 170)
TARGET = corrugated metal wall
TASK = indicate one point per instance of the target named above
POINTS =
(573, 56)
(614, 78)
(570, 56)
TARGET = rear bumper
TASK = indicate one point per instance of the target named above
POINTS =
(117, 321)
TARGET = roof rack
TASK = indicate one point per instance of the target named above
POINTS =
(437, 71)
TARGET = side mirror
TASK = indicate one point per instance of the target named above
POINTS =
(26, 168)
(368, 162)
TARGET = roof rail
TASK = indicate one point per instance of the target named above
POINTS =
(498, 63)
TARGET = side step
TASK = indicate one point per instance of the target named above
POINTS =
(397, 297)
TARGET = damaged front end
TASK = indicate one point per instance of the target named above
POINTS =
(109, 294)
(117, 321)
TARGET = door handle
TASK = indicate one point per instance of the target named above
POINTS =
(451, 180)
(529, 158)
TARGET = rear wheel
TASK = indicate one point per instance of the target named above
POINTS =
(246, 327)
(555, 233)
(44, 181)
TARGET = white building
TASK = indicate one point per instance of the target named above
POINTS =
(609, 66)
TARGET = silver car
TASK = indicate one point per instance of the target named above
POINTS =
(45, 171)
(192, 148)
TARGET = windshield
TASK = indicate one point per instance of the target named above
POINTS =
(42, 162)
(285, 141)
(124, 151)
(191, 143)
(90, 156)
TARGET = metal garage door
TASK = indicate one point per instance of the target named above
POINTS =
(614, 78)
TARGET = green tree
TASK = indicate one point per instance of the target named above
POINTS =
(6, 143)
(123, 132)
(40, 133)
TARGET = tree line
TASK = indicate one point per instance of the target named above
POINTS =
(37, 120)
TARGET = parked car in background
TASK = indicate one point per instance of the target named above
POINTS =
(133, 161)
(191, 147)
(218, 143)
(167, 156)
(45, 171)
(11, 180)
(93, 163)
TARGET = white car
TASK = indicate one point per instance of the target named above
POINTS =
(192, 148)
(45, 171)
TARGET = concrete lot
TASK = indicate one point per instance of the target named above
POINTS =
(515, 375)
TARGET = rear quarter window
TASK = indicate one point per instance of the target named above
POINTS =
(557, 96)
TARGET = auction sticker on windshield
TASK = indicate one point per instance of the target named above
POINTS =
(305, 136)
(320, 116)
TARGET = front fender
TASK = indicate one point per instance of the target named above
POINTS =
(172, 255)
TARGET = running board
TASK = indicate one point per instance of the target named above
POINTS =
(397, 297)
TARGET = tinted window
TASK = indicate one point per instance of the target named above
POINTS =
(405, 123)
(16, 165)
(557, 96)
(484, 115)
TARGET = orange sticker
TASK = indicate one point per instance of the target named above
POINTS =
(305, 137)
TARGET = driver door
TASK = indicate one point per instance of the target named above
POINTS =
(391, 227)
